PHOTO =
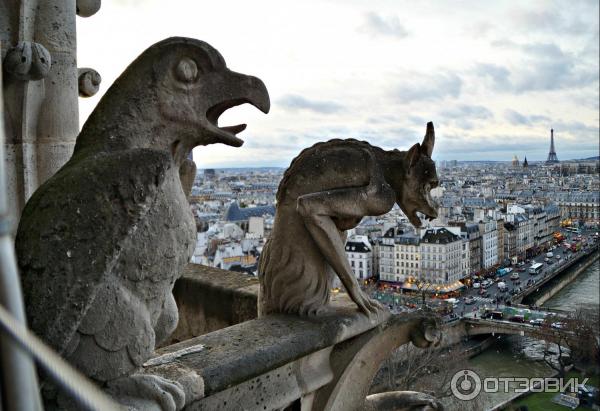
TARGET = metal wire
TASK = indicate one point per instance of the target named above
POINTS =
(84, 392)
(19, 380)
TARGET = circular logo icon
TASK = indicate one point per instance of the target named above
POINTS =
(465, 385)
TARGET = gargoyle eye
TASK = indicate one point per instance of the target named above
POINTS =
(186, 70)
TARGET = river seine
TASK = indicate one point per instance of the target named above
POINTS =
(515, 356)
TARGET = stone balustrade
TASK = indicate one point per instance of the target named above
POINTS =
(277, 361)
(210, 298)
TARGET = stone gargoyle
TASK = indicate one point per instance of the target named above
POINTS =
(327, 190)
(101, 243)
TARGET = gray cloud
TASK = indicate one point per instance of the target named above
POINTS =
(377, 25)
(573, 20)
(516, 118)
(499, 76)
(463, 115)
(577, 129)
(468, 111)
(573, 139)
(428, 88)
(294, 102)
(544, 66)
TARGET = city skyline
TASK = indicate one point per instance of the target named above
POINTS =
(494, 78)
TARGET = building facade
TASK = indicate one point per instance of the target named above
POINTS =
(441, 256)
(360, 256)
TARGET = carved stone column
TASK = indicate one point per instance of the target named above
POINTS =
(39, 46)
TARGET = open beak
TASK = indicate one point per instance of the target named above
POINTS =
(233, 89)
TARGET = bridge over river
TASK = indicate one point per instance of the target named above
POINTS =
(541, 324)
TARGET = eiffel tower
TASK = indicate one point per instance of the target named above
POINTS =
(552, 159)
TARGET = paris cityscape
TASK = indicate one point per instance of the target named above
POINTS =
(503, 229)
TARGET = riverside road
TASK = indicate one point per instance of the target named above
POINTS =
(491, 295)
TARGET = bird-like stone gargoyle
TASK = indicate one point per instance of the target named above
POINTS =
(101, 243)
(327, 190)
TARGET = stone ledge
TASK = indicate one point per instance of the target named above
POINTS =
(210, 299)
(221, 279)
(238, 353)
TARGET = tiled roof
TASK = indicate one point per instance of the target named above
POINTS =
(235, 213)
(357, 247)
(408, 239)
(439, 236)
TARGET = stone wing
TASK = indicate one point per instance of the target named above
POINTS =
(72, 231)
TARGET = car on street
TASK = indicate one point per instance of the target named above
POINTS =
(558, 325)
(514, 276)
(537, 321)
(476, 285)
(518, 318)
(469, 300)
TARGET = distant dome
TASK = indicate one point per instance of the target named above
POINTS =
(516, 162)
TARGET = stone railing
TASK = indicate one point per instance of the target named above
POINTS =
(277, 361)
(210, 299)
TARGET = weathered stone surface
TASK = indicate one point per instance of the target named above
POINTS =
(402, 401)
(87, 8)
(243, 351)
(28, 61)
(210, 299)
(101, 243)
(41, 116)
(88, 81)
(328, 361)
(355, 362)
(326, 190)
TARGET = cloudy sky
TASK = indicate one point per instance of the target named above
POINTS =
(493, 76)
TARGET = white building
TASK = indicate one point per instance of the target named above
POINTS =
(256, 225)
(228, 255)
(443, 256)
(360, 256)
(407, 256)
(524, 240)
(489, 243)
(387, 269)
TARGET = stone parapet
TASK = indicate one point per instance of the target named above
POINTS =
(210, 299)
(324, 362)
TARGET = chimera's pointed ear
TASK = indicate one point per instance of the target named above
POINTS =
(429, 140)
(413, 155)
